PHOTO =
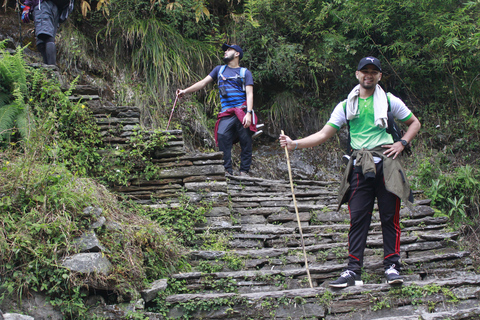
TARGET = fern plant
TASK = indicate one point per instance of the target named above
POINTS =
(13, 90)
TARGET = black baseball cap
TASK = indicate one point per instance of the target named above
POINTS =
(234, 47)
(369, 60)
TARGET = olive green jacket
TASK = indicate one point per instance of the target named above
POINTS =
(395, 179)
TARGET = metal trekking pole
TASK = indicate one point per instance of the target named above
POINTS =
(18, 7)
(298, 216)
(171, 113)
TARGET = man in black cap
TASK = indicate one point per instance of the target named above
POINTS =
(236, 121)
(374, 169)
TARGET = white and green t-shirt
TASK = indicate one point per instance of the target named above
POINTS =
(363, 132)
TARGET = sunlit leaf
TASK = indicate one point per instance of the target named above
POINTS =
(172, 5)
(85, 6)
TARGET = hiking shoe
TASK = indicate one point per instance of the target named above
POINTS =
(228, 174)
(392, 275)
(244, 174)
(347, 278)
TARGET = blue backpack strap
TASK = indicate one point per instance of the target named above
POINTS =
(220, 73)
(243, 71)
(242, 76)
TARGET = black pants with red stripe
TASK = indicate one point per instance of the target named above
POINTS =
(360, 204)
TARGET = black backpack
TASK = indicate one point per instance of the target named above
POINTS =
(65, 7)
(393, 129)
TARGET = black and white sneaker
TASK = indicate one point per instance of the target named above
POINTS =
(347, 278)
(392, 275)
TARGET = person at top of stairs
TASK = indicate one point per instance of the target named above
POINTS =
(47, 15)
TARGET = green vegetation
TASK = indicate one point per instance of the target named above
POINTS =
(302, 54)
(339, 252)
(44, 187)
(181, 219)
(416, 295)
(13, 89)
(41, 208)
(326, 299)
(455, 192)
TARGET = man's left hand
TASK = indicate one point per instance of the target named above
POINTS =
(247, 120)
(393, 149)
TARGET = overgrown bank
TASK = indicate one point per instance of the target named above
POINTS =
(50, 151)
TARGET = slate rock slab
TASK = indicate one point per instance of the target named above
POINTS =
(88, 263)
(88, 242)
(16, 316)
(156, 286)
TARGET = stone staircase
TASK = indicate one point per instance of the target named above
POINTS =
(259, 272)
(262, 274)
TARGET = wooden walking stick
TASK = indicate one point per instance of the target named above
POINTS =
(298, 216)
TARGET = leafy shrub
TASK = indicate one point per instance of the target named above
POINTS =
(41, 208)
(181, 220)
(456, 193)
(13, 91)
(43, 190)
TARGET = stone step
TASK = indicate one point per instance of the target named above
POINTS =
(278, 215)
(415, 225)
(465, 310)
(111, 121)
(420, 253)
(218, 228)
(268, 182)
(252, 190)
(345, 227)
(426, 239)
(270, 207)
(326, 222)
(455, 296)
(107, 110)
(83, 90)
(84, 97)
(269, 196)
